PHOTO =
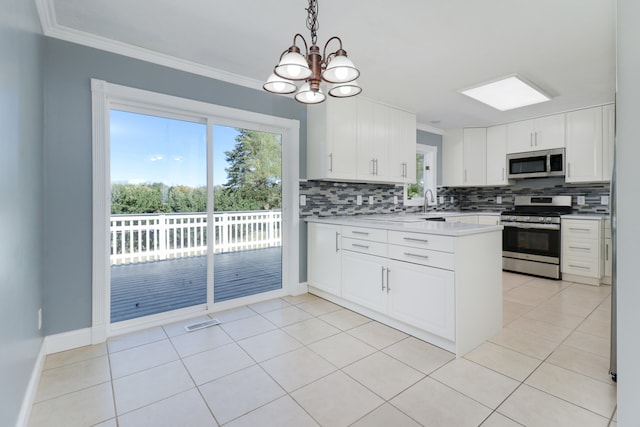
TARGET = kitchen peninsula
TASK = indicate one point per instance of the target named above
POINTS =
(438, 281)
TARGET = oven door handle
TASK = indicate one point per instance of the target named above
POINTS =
(531, 225)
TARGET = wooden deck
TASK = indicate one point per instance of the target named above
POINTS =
(154, 287)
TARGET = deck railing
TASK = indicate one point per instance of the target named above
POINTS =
(152, 237)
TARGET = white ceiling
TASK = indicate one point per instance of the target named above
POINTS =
(414, 54)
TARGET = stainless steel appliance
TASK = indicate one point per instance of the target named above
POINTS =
(531, 239)
(536, 164)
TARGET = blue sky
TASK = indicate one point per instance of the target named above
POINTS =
(148, 149)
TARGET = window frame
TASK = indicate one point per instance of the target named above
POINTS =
(424, 149)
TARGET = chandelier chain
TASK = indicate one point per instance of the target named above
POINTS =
(312, 20)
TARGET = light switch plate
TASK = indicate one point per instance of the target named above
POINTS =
(499, 200)
(371, 200)
(440, 200)
(303, 200)
(604, 200)
(452, 200)
(395, 200)
(581, 201)
(358, 200)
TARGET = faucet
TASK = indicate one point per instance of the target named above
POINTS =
(426, 201)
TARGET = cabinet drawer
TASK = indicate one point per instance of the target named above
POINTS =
(607, 228)
(580, 267)
(581, 228)
(423, 241)
(421, 256)
(362, 233)
(587, 249)
(364, 246)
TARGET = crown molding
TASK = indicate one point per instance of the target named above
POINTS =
(429, 128)
(51, 28)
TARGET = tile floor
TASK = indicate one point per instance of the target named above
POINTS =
(303, 361)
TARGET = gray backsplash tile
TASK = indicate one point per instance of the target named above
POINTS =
(329, 198)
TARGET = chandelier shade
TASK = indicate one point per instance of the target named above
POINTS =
(340, 70)
(345, 90)
(276, 84)
(314, 68)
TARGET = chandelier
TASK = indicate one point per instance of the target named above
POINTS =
(312, 68)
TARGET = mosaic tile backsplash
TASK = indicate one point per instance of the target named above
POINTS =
(328, 198)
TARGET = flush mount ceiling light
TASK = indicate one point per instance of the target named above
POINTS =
(312, 68)
(507, 93)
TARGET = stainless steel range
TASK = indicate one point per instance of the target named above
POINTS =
(531, 237)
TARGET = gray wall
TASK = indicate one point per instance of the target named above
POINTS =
(435, 140)
(21, 187)
(628, 207)
(67, 224)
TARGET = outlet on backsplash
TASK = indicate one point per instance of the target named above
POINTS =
(580, 201)
(499, 200)
(441, 200)
(358, 200)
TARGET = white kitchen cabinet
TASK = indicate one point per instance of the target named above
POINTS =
(332, 140)
(464, 157)
(542, 133)
(364, 278)
(584, 145)
(452, 158)
(590, 140)
(355, 139)
(474, 155)
(582, 244)
(324, 258)
(497, 155)
(422, 296)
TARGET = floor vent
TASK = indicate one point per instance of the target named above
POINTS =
(202, 325)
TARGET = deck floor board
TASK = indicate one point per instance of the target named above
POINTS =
(154, 287)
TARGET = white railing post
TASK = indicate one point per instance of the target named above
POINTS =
(162, 237)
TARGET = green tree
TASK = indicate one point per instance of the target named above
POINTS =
(136, 198)
(254, 173)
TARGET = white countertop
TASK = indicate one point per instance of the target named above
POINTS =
(415, 223)
(593, 217)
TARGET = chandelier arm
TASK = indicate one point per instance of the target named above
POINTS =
(304, 41)
(325, 58)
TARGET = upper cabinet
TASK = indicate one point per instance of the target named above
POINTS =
(464, 157)
(589, 154)
(356, 139)
(542, 133)
(497, 155)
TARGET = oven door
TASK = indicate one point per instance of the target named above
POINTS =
(534, 242)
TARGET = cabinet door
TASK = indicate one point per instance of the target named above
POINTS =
(401, 148)
(497, 155)
(324, 257)
(549, 132)
(608, 140)
(364, 280)
(474, 154)
(341, 138)
(365, 125)
(520, 136)
(584, 145)
(423, 297)
(489, 219)
(452, 158)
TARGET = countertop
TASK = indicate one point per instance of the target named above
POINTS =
(414, 223)
(585, 216)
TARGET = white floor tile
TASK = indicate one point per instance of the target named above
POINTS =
(123, 342)
(377, 335)
(311, 330)
(386, 416)
(279, 413)
(506, 361)
(342, 349)
(247, 327)
(143, 357)
(212, 364)
(200, 340)
(65, 379)
(270, 344)
(297, 368)
(418, 354)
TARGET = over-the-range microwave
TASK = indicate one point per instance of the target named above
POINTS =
(536, 164)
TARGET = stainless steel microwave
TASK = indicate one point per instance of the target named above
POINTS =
(536, 164)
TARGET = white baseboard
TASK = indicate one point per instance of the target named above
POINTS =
(32, 388)
(67, 340)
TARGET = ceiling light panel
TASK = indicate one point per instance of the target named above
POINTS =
(507, 94)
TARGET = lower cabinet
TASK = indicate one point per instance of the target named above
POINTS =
(581, 250)
(423, 297)
(363, 280)
(324, 258)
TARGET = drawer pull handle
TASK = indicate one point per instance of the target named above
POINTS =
(413, 239)
(416, 255)
(364, 233)
(579, 247)
(355, 245)
(578, 229)
(388, 284)
(337, 241)
(580, 266)
(382, 278)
